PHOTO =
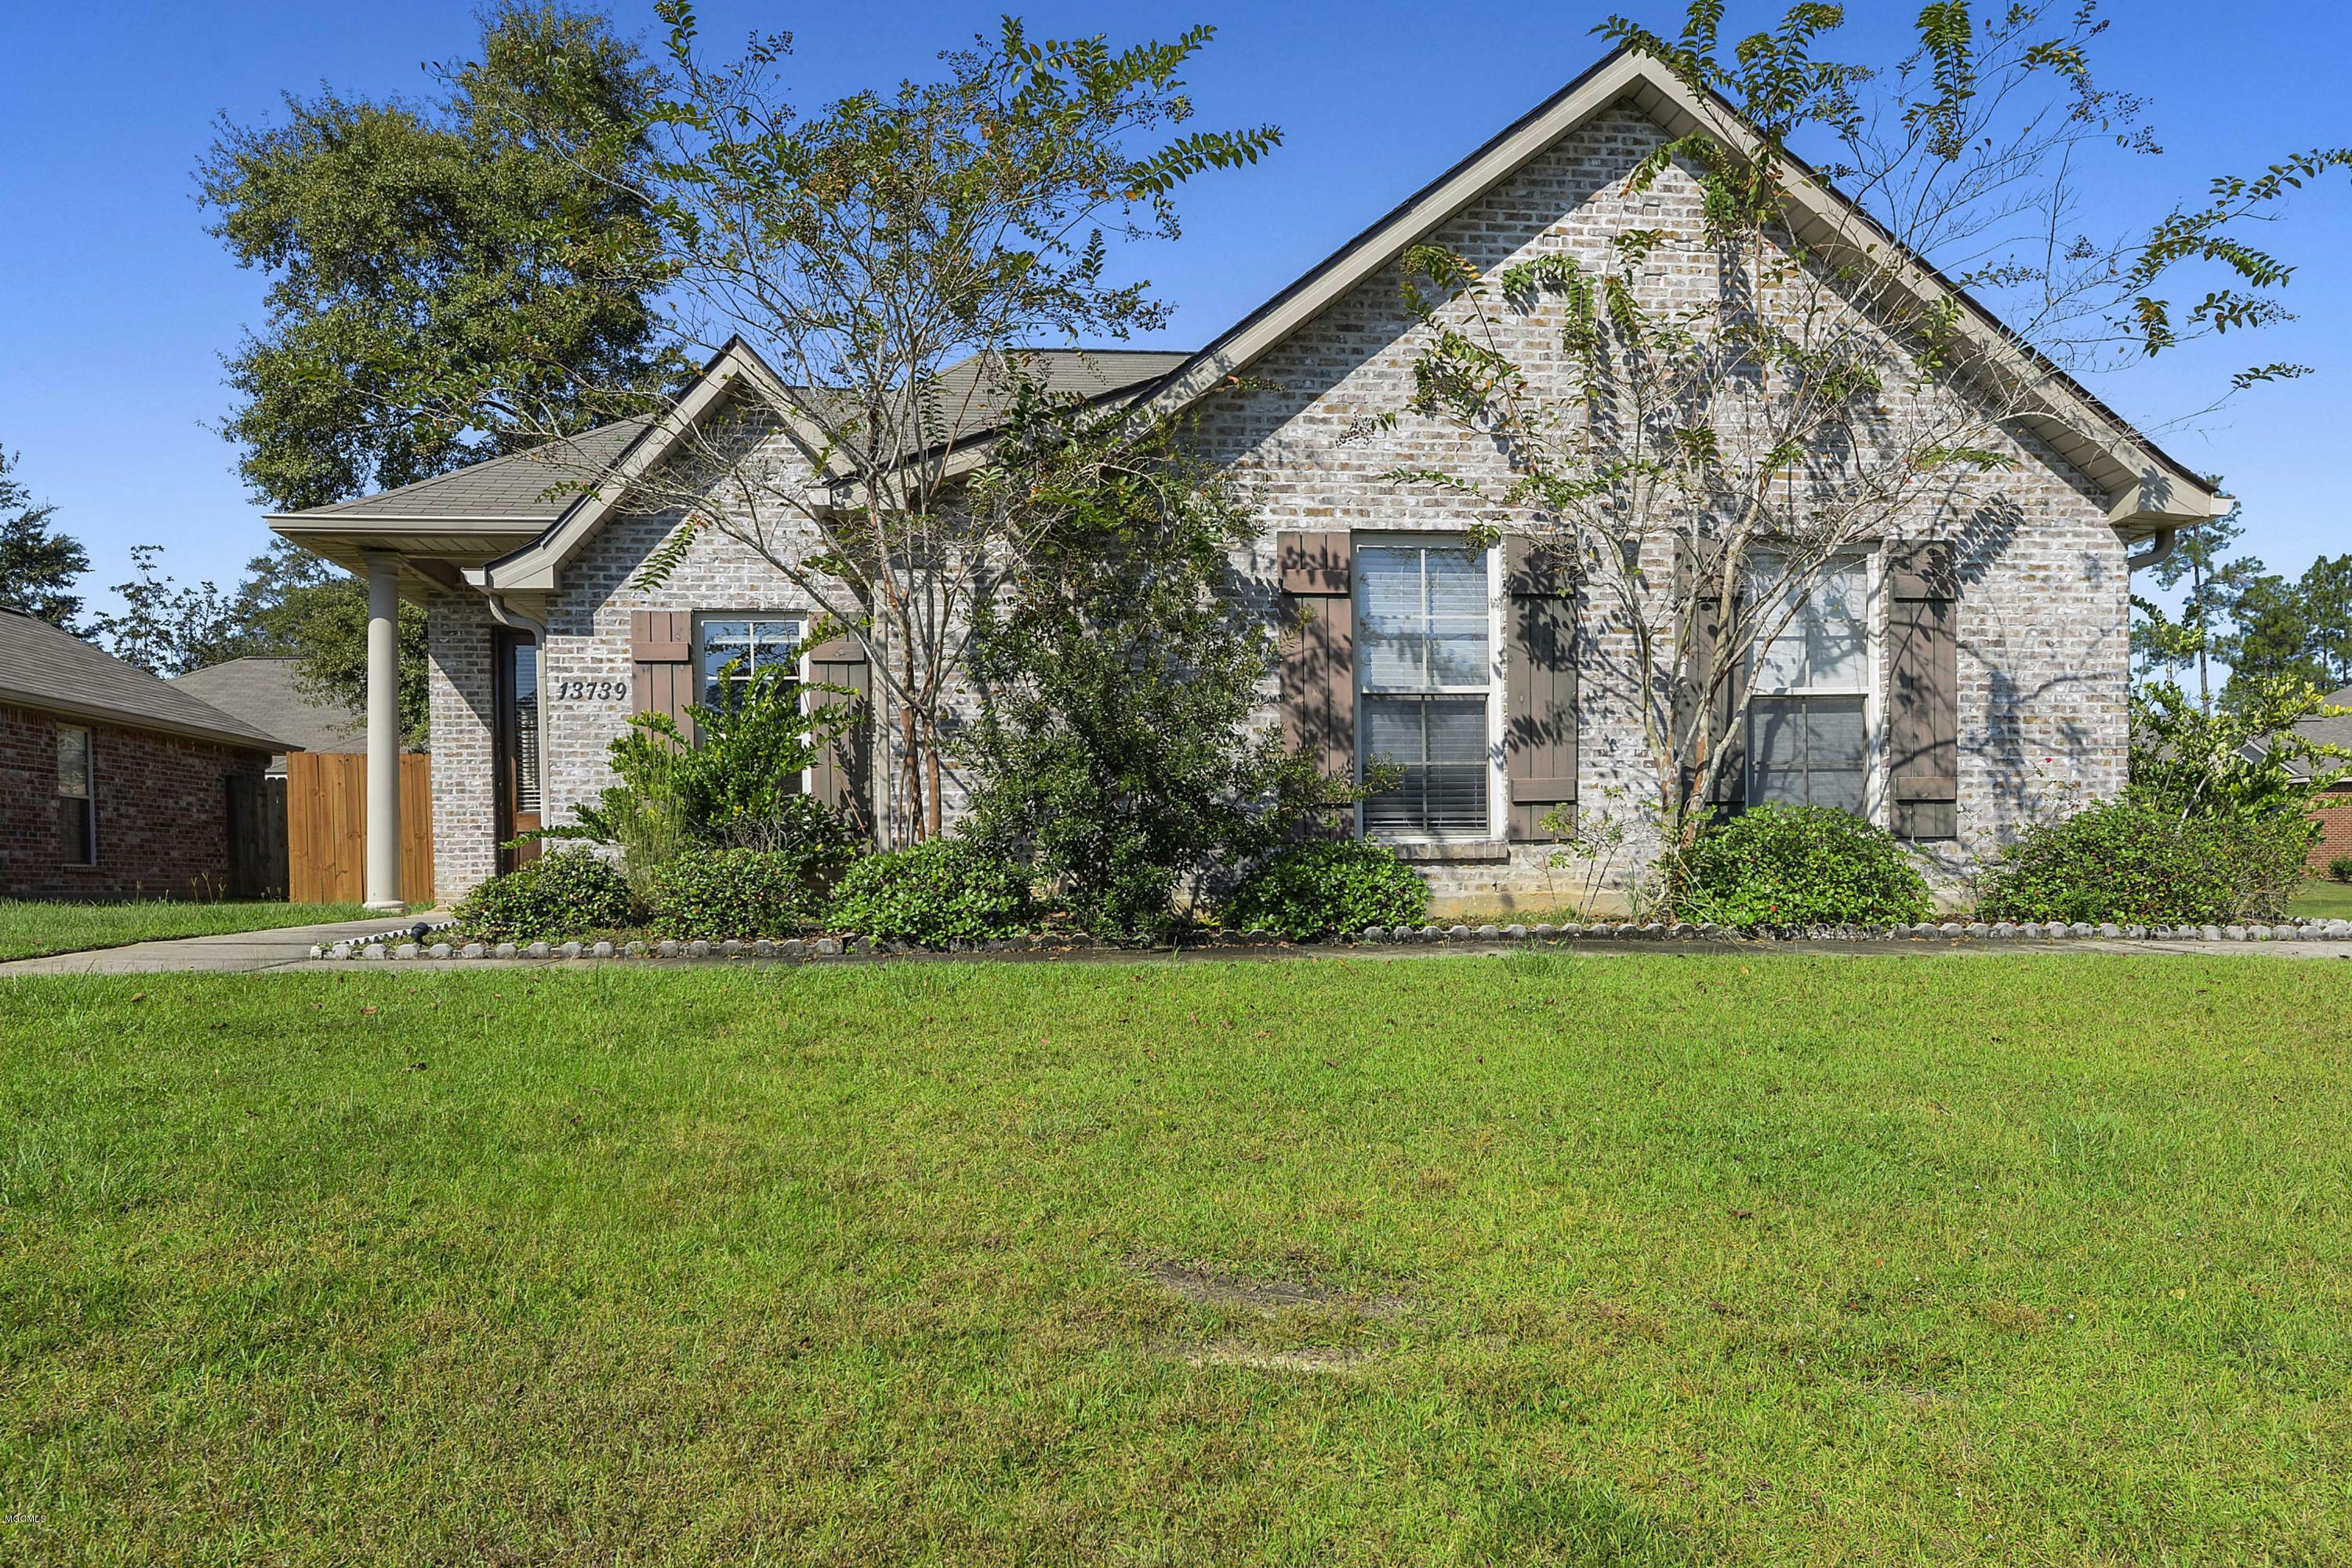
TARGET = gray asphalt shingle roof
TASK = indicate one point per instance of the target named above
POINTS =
(2336, 731)
(515, 488)
(267, 694)
(43, 668)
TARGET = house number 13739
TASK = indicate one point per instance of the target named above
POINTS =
(588, 690)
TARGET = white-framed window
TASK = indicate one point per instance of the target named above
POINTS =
(731, 649)
(1809, 710)
(1425, 685)
(76, 797)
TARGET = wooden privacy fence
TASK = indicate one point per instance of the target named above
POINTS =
(326, 827)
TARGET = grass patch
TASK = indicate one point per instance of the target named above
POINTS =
(1645, 1259)
(31, 928)
(2321, 899)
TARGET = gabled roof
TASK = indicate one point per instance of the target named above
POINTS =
(496, 523)
(2145, 487)
(267, 694)
(513, 521)
(57, 672)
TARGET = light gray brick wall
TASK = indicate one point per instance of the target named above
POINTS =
(464, 816)
(2044, 610)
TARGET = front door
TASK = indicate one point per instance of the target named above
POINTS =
(514, 745)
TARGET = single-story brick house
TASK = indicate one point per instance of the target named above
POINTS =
(117, 784)
(1988, 675)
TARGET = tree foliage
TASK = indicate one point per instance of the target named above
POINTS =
(1118, 676)
(489, 237)
(864, 248)
(2248, 759)
(734, 784)
(38, 565)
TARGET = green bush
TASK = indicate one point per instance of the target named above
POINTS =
(2134, 863)
(1800, 866)
(2339, 869)
(722, 893)
(932, 893)
(1330, 885)
(552, 898)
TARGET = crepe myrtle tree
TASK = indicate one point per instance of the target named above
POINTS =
(1703, 451)
(863, 249)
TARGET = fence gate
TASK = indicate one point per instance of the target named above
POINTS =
(257, 837)
(326, 827)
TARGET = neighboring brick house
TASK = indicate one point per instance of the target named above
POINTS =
(112, 784)
(2333, 809)
(1992, 679)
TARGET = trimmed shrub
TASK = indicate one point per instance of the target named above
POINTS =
(933, 893)
(2339, 869)
(1799, 866)
(1330, 885)
(2131, 862)
(554, 896)
(722, 893)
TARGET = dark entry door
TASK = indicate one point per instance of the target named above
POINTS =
(514, 745)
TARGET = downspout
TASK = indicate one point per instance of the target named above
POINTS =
(2162, 543)
(514, 620)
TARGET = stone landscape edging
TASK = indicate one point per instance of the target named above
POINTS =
(404, 945)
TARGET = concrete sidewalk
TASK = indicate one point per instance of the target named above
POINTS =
(236, 951)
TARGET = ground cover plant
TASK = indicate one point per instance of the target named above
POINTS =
(1801, 866)
(564, 893)
(1330, 885)
(30, 928)
(1650, 1260)
(2135, 860)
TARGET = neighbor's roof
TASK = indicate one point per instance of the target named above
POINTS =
(57, 672)
(267, 694)
(2330, 731)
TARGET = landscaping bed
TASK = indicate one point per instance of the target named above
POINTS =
(1676, 1259)
(419, 942)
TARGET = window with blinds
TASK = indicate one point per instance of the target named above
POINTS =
(77, 797)
(1808, 720)
(523, 675)
(1425, 656)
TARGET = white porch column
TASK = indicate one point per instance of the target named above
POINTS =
(383, 734)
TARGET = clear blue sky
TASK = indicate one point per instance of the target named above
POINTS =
(115, 306)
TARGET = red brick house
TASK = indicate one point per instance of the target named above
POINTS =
(114, 784)
(2333, 809)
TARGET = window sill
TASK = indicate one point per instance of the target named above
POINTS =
(1450, 852)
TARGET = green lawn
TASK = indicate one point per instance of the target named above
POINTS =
(1649, 1259)
(29, 928)
(2324, 900)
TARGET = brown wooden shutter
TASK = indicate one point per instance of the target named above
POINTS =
(1539, 682)
(1702, 573)
(842, 770)
(1923, 640)
(1319, 656)
(661, 653)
